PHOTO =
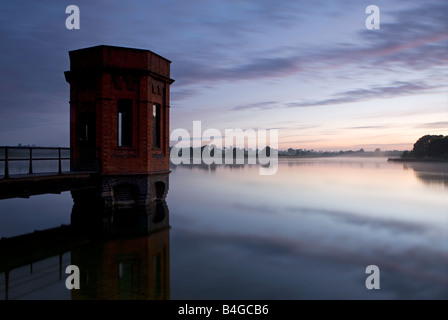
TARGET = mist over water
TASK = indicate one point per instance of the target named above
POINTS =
(307, 232)
(310, 231)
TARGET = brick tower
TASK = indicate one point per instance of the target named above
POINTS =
(119, 121)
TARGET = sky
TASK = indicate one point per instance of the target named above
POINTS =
(310, 69)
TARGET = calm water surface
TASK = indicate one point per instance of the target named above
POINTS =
(307, 232)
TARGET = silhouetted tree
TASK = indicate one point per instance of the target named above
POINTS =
(431, 146)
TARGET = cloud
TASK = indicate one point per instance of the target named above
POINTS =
(368, 127)
(227, 41)
(182, 93)
(416, 36)
(193, 72)
(434, 125)
(394, 89)
(262, 105)
(410, 40)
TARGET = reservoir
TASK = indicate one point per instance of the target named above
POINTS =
(307, 232)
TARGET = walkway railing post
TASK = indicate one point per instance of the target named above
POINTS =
(6, 164)
(21, 155)
(31, 161)
(60, 161)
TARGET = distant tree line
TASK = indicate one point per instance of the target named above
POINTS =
(231, 152)
(312, 153)
(429, 146)
(26, 145)
(304, 153)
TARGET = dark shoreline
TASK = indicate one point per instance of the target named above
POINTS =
(418, 159)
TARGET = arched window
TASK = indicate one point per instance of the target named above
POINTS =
(160, 189)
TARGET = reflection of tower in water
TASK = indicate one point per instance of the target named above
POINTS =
(119, 128)
(119, 138)
(129, 259)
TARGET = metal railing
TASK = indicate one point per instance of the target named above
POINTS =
(9, 154)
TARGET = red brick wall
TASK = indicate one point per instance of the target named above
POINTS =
(98, 77)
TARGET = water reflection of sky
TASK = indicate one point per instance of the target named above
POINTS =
(309, 231)
(19, 216)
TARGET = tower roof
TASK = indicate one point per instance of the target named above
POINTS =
(112, 57)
